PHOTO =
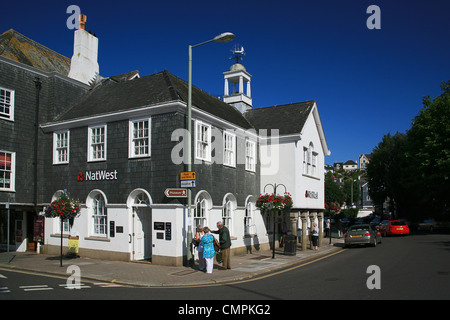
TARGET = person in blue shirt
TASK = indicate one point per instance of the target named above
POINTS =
(207, 243)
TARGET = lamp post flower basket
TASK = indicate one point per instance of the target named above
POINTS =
(65, 208)
(274, 201)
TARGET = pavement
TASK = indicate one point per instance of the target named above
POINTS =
(243, 267)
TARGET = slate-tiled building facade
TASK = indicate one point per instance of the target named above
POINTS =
(24, 86)
(118, 143)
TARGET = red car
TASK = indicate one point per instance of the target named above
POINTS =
(393, 227)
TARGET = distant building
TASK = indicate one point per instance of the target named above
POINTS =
(364, 160)
(350, 165)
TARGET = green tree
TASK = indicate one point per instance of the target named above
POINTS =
(386, 172)
(413, 169)
(429, 154)
(333, 193)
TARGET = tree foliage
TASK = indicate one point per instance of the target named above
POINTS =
(413, 169)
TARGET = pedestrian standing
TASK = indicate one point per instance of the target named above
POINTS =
(198, 236)
(207, 242)
(284, 231)
(327, 228)
(225, 244)
(315, 236)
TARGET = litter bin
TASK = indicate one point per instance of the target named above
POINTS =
(290, 245)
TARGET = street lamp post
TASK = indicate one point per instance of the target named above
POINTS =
(274, 186)
(223, 37)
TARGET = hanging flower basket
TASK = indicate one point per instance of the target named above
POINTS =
(277, 202)
(333, 207)
(64, 207)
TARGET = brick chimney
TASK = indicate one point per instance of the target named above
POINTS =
(84, 66)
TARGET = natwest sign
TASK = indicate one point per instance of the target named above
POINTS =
(98, 175)
(311, 194)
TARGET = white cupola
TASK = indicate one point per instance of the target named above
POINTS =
(238, 80)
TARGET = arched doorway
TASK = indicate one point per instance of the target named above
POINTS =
(139, 202)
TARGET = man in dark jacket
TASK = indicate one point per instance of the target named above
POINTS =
(225, 244)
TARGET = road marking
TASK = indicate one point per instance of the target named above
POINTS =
(4, 290)
(2, 276)
(107, 285)
(36, 288)
(74, 286)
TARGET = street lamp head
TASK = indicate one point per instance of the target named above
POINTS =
(224, 37)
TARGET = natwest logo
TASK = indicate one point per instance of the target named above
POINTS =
(98, 175)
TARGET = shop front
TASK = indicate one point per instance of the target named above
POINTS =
(25, 228)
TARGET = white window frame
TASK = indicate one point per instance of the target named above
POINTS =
(10, 114)
(314, 164)
(200, 213)
(92, 156)
(99, 219)
(227, 215)
(250, 155)
(248, 219)
(11, 172)
(229, 149)
(310, 158)
(59, 150)
(134, 140)
(202, 141)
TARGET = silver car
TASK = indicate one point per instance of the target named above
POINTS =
(361, 234)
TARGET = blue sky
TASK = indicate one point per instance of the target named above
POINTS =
(367, 83)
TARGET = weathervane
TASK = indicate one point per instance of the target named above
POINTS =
(238, 55)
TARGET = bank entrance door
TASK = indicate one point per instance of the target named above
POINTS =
(142, 233)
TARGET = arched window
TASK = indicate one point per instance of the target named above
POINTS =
(100, 216)
(203, 203)
(250, 207)
(229, 205)
(309, 160)
(96, 203)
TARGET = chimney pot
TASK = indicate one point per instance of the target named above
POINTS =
(82, 18)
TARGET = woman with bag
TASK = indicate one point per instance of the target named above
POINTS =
(207, 242)
(198, 237)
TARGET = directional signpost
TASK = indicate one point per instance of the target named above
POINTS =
(176, 193)
(187, 179)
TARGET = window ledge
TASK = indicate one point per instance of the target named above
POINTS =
(93, 238)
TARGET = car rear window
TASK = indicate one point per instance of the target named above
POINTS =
(359, 228)
(397, 223)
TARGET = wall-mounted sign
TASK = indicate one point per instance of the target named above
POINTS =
(98, 175)
(189, 175)
(311, 194)
(187, 184)
(176, 193)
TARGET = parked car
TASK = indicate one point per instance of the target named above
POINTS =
(361, 234)
(433, 225)
(393, 227)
